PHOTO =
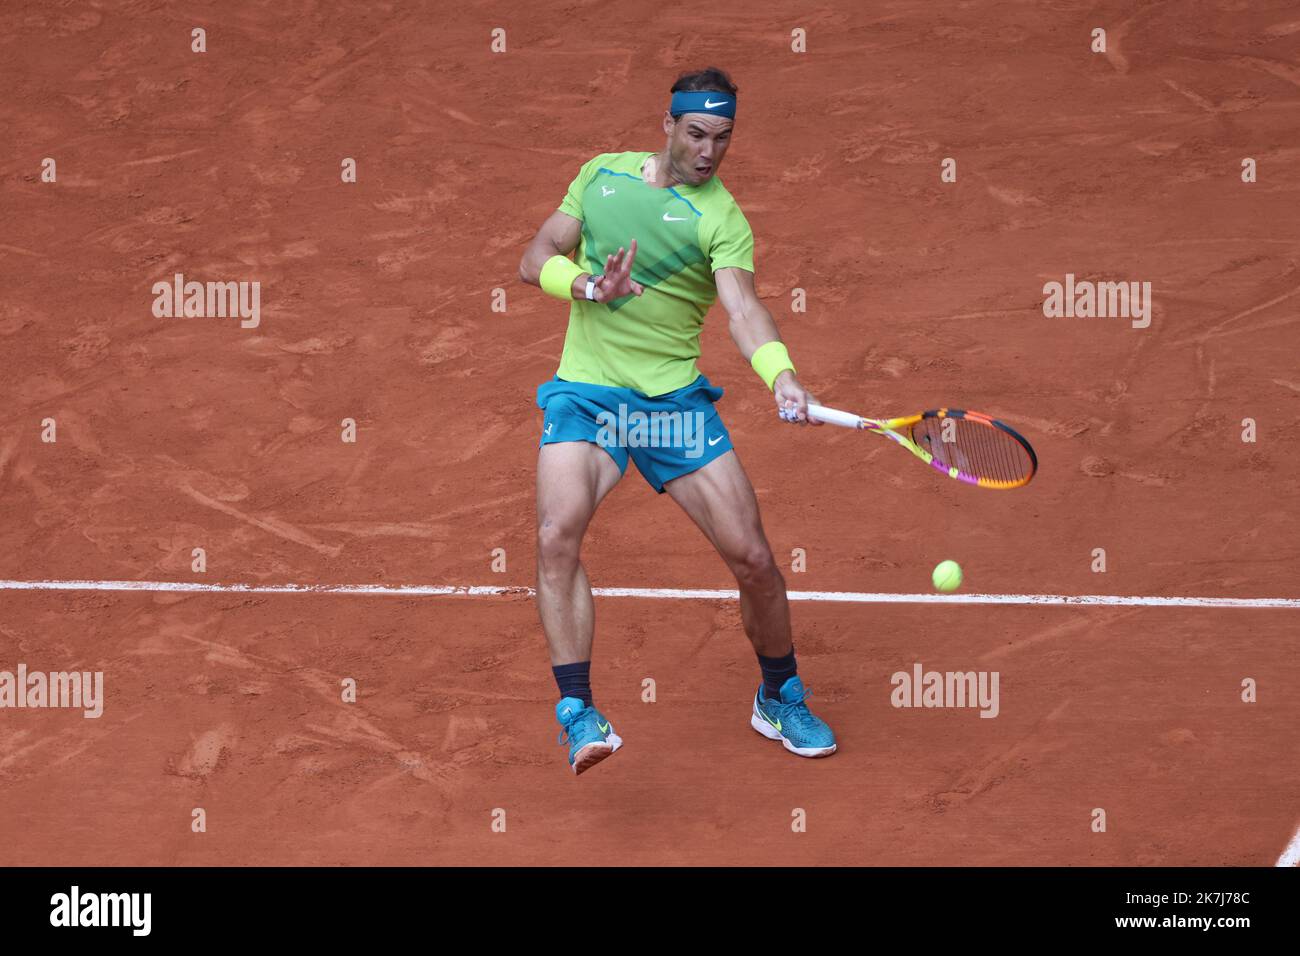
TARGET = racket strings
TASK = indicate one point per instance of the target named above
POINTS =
(976, 449)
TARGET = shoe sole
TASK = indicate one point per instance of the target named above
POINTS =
(594, 753)
(771, 733)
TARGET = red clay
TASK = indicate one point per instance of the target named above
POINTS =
(376, 306)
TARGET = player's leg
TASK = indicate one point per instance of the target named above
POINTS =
(572, 479)
(721, 501)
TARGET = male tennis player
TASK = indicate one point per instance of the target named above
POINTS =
(658, 238)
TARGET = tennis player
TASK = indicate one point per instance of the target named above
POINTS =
(658, 239)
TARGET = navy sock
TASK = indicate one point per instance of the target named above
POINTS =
(776, 671)
(574, 680)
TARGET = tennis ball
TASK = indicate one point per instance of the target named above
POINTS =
(946, 576)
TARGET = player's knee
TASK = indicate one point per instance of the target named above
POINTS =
(557, 545)
(755, 567)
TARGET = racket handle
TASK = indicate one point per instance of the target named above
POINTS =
(833, 416)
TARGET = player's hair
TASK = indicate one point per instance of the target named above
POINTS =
(709, 78)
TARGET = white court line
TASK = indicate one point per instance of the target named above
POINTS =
(681, 594)
(1291, 855)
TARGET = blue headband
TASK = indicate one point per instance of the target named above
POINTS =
(703, 101)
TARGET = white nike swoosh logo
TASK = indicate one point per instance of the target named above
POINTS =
(668, 218)
(606, 191)
(709, 104)
(714, 441)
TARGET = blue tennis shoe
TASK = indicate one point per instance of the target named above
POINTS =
(590, 736)
(790, 721)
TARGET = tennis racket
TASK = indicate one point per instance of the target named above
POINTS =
(968, 446)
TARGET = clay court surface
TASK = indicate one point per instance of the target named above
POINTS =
(376, 305)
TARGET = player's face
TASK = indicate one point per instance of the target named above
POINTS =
(696, 144)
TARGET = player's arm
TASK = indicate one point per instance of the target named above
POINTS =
(754, 331)
(558, 237)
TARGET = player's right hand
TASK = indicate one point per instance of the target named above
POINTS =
(792, 399)
(617, 280)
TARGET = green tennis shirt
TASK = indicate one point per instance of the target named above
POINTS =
(683, 235)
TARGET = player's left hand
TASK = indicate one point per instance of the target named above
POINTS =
(792, 399)
(617, 280)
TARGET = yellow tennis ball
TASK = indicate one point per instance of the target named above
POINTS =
(946, 576)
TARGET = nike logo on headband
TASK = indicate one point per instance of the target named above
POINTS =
(709, 104)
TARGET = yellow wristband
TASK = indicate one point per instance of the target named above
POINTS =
(770, 360)
(557, 276)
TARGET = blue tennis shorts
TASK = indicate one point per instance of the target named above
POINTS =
(667, 436)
